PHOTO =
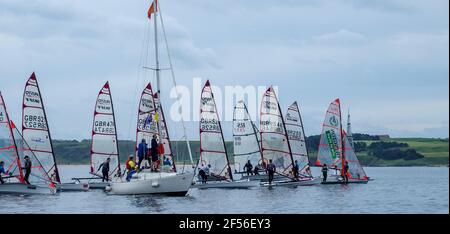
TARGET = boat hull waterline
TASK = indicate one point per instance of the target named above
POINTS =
(308, 182)
(241, 184)
(18, 188)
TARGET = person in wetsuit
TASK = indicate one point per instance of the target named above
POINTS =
(346, 172)
(324, 172)
(296, 169)
(248, 168)
(105, 170)
(2, 171)
(27, 169)
(271, 169)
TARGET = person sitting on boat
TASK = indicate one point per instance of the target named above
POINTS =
(271, 169)
(167, 162)
(154, 151)
(248, 168)
(27, 168)
(324, 172)
(105, 170)
(346, 172)
(2, 171)
(142, 150)
(131, 168)
(256, 170)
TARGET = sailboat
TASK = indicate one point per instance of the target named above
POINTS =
(213, 152)
(13, 149)
(161, 182)
(275, 142)
(247, 144)
(36, 132)
(335, 149)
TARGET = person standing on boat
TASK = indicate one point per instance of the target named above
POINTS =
(324, 172)
(27, 169)
(295, 169)
(202, 174)
(256, 170)
(105, 170)
(271, 169)
(248, 168)
(131, 168)
(346, 172)
(160, 153)
(142, 150)
(154, 150)
(2, 171)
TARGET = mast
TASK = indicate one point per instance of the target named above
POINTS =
(256, 136)
(223, 139)
(342, 140)
(115, 130)
(284, 126)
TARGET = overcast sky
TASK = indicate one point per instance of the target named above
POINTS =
(388, 61)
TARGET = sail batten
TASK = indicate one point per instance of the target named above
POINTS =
(213, 151)
(104, 134)
(35, 128)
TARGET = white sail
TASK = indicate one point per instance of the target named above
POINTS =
(104, 133)
(330, 146)
(355, 170)
(275, 143)
(212, 145)
(164, 132)
(147, 124)
(297, 139)
(13, 149)
(246, 140)
(35, 127)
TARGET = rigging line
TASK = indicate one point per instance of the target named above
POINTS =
(175, 84)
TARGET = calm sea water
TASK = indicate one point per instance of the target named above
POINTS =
(393, 190)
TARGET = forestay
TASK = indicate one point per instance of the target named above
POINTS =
(13, 150)
(212, 144)
(275, 143)
(147, 124)
(35, 127)
(330, 145)
(104, 133)
(296, 134)
(246, 143)
(164, 132)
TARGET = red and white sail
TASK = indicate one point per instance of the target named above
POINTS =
(330, 146)
(35, 127)
(246, 141)
(274, 138)
(13, 149)
(164, 132)
(147, 123)
(212, 144)
(355, 170)
(104, 133)
(297, 139)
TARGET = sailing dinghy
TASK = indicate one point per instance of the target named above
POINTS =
(13, 149)
(36, 132)
(335, 149)
(213, 152)
(168, 183)
(279, 142)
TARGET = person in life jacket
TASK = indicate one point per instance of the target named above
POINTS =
(155, 151)
(130, 165)
(27, 168)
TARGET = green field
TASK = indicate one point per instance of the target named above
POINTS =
(436, 152)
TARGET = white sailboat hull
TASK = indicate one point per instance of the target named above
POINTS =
(241, 184)
(153, 183)
(18, 188)
(302, 182)
(262, 177)
(72, 187)
(334, 179)
(98, 185)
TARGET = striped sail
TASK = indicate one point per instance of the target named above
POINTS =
(212, 144)
(246, 142)
(13, 149)
(104, 133)
(35, 127)
(164, 134)
(297, 140)
(330, 146)
(275, 143)
(147, 124)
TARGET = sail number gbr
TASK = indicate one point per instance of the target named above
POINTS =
(34, 122)
(104, 127)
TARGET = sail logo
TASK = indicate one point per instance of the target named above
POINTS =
(291, 118)
(147, 104)
(294, 135)
(334, 121)
(333, 143)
